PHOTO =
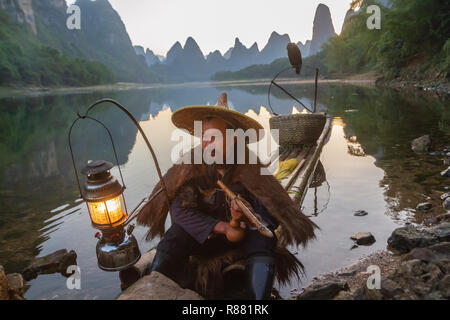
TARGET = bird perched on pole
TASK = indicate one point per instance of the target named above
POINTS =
(295, 56)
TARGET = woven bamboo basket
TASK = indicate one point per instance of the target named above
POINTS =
(298, 129)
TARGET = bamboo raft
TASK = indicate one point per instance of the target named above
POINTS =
(138, 286)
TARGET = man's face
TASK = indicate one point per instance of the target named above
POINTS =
(210, 136)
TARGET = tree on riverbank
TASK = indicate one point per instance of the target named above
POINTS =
(25, 61)
(412, 42)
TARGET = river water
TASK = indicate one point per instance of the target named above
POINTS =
(368, 163)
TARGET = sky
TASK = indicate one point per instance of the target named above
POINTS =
(214, 24)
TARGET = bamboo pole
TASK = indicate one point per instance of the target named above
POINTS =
(304, 178)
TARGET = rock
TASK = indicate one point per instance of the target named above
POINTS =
(363, 238)
(435, 253)
(4, 295)
(344, 295)
(323, 290)
(421, 144)
(444, 217)
(360, 213)
(446, 172)
(446, 204)
(57, 261)
(389, 289)
(156, 286)
(446, 162)
(441, 231)
(424, 206)
(435, 153)
(404, 239)
(445, 196)
(137, 271)
(16, 286)
(443, 286)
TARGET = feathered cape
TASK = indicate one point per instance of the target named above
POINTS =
(296, 227)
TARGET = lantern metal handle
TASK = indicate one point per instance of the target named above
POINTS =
(136, 123)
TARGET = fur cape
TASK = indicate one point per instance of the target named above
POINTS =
(296, 227)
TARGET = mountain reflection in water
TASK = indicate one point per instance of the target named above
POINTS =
(368, 163)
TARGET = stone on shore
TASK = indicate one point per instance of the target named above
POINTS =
(435, 253)
(323, 290)
(156, 286)
(363, 238)
(57, 261)
(16, 286)
(446, 204)
(446, 172)
(421, 144)
(12, 286)
(404, 239)
(137, 271)
(441, 231)
(424, 206)
(4, 295)
(445, 196)
(421, 274)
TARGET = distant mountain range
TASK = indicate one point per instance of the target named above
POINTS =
(187, 63)
(102, 37)
(103, 46)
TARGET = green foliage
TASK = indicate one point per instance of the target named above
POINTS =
(413, 32)
(25, 61)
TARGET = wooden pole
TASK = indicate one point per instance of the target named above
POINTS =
(315, 90)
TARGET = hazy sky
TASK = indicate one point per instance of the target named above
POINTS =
(158, 24)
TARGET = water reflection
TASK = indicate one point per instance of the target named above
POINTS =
(41, 213)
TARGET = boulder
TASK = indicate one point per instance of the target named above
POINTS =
(57, 261)
(4, 295)
(421, 144)
(156, 286)
(404, 239)
(363, 238)
(323, 290)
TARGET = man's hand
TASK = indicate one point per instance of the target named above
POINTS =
(221, 227)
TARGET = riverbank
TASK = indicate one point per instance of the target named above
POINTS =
(440, 86)
(123, 86)
(415, 265)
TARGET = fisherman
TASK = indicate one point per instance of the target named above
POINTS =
(201, 211)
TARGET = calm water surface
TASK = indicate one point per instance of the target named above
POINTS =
(367, 160)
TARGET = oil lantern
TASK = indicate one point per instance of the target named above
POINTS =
(117, 248)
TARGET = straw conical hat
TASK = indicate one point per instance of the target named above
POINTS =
(184, 118)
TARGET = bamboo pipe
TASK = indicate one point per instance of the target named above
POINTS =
(235, 233)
